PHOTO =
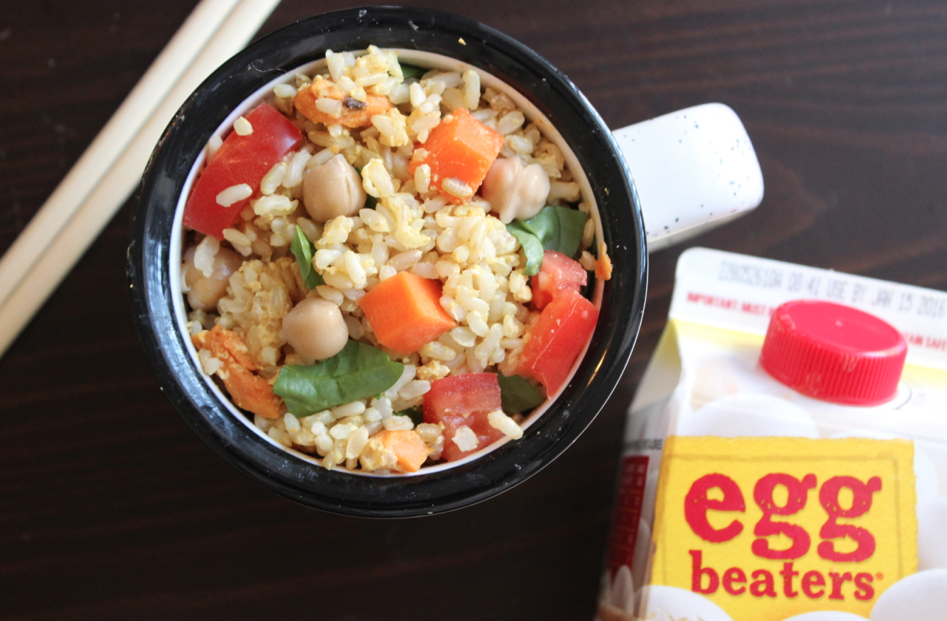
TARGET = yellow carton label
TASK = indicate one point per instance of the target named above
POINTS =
(768, 528)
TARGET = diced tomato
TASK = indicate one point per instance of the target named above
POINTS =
(557, 274)
(553, 342)
(464, 400)
(478, 423)
(463, 394)
(240, 159)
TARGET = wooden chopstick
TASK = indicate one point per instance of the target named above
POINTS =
(110, 169)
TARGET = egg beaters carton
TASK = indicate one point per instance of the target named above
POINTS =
(786, 452)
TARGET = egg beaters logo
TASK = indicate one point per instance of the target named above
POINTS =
(768, 527)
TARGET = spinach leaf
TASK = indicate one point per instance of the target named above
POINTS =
(357, 372)
(415, 414)
(519, 394)
(532, 247)
(558, 228)
(410, 71)
(302, 250)
(553, 228)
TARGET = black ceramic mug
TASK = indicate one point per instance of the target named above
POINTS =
(422, 36)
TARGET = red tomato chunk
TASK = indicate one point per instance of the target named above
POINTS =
(557, 274)
(240, 159)
(464, 400)
(552, 344)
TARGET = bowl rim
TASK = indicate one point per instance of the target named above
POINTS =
(478, 45)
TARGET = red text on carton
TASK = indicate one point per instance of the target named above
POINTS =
(772, 527)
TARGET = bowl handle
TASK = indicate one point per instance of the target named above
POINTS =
(693, 169)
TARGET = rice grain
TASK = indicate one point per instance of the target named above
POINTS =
(234, 194)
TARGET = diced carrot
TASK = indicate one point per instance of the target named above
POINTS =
(354, 113)
(603, 265)
(405, 312)
(247, 389)
(409, 449)
(461, 148)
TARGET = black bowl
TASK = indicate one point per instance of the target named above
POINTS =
(182, 380)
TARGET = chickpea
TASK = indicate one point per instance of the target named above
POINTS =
(315, 328)
(333, 189)
(205, 291)
(514, 191)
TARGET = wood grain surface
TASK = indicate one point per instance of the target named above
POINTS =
(110, 508)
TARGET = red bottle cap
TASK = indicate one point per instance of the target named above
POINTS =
(835, 353)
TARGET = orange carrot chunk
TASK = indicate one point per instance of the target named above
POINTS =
(247, 389)
(352, 113)
(409, 449)
(603, 265)
(459, 151)
(405, 312)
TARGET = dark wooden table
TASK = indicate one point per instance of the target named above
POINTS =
(110, 508)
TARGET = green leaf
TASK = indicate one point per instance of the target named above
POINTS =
(544, 226)
(532, 247)
(519, 394)
(357, 372)
(553, 228)
(410, 71)
(415, 414)
(302, 250)
(558, 228)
